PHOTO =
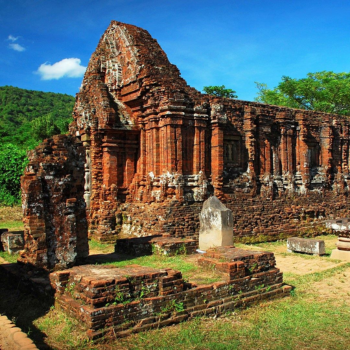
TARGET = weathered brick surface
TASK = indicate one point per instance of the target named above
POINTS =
(54, 220)
(115, 301)
(147, 150)
(12, 242)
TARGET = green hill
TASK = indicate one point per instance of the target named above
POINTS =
(50, 112)
(26, 118)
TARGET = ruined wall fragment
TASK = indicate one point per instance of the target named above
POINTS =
(55, 225)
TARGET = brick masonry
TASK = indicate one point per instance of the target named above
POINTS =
(145, 150)
(115, 302)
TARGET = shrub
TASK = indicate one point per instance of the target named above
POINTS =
(12, 163)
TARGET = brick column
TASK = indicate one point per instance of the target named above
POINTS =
(249, 128)
(171, 145)
(217, 157)
(110, 165)
(283, 151)
(302, 150)
(129, 166)
(265, 157)
(179, 155)
(141, 165)
(326, 147)
(290, 151)
(202, 149)
(156, 150)
(197, 150)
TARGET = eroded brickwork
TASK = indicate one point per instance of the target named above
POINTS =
(55, 222)
(154, 149)
(115, 302)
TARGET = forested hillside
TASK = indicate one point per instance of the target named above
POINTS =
(26, 118)
(19, 108)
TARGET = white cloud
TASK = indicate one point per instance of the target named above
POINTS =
(12, 38)
(68, 67)
(17, 47)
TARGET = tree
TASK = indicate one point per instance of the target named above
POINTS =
(321, 91)
(220, 91)
(12, 163)
(19, 107)
(44, 127)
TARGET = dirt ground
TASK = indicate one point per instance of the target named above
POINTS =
(300, 265)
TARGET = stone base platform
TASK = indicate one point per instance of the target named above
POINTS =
(115, 302)
(156, 245)
(340, 254)
(238, 263)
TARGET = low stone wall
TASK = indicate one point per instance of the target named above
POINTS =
(115, 302)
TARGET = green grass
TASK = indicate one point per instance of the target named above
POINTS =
(8, 257)
(160, 261)
(13, 225)
(293, 323)
(67, 330)
(102, 247)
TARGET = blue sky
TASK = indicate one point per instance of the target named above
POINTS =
(45, 44)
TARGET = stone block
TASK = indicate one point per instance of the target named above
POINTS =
(339, 225)
(216, 225)
(2, 230)
(12, 242)
(305, 245)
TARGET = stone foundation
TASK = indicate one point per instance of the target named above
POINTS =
(115, 302)
(239, 263)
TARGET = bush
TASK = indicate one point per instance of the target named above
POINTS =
(12, 163)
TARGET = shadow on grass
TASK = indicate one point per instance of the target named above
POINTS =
(108, 258)
(21, 306)
(136, 247)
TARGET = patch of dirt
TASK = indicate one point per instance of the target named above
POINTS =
(101, 251)
(10, 214)
(280, 248)
(335, 289)
(297, 264)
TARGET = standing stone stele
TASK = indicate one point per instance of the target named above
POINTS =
(216, 225)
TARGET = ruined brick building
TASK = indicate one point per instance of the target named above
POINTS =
(145, 150)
